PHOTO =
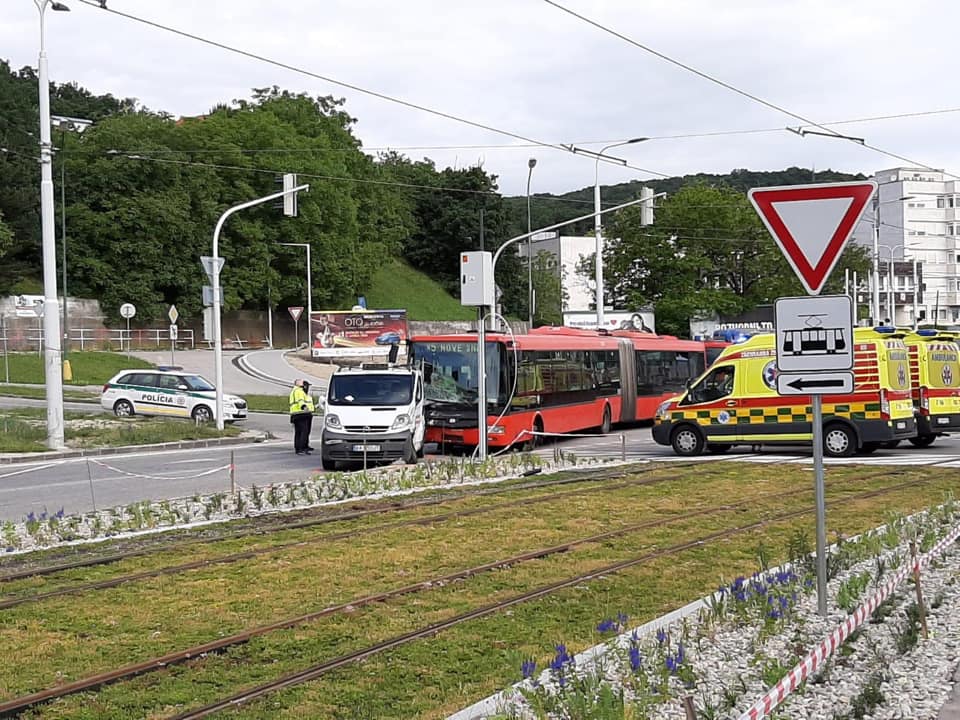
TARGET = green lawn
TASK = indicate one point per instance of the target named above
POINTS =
(89, 368)
(40, 393)
(267, 403)
(23, 430)
(397, 285)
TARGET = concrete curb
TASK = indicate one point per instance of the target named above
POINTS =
(13, 459)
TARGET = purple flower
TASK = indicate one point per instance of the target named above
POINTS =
(679, 653)
(635, 659)
(606, 625)
(661, 636)
(528, 668)
(622, 619)
(671, 663)
(59, 514)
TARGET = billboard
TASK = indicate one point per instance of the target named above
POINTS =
(338, 333)
(613, 320)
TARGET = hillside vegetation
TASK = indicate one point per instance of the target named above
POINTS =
(397, 285)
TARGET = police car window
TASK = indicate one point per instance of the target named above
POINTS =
(170, 382)
(195, 382)
(127, 379)
(141, 379)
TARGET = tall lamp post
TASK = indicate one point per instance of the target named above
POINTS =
(52, 369)
(597, 225)
(78, 125)
(309, 292)
(876, 253)
(531, 164)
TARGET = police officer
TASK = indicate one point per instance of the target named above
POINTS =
(301, 416)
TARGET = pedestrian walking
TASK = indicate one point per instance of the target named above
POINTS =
(301, 416)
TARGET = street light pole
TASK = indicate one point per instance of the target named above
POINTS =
(215, 282)
(309, 292)
(597, 225)
(64, 124)
(531, 164)
(53, 379)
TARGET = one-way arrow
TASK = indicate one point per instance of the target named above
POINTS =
(816, 383)
(801, 384)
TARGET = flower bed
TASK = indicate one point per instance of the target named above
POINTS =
(48, 529)
(717, 656)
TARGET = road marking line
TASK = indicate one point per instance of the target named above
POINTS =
(31, 469)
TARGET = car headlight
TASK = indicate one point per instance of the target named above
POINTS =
(662, 411)
(332, 421)
(496, 429)
(401, 422)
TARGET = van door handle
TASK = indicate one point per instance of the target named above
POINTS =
(731, 403)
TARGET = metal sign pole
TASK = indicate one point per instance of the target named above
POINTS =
(821, 510)
(481, 384)
(128, 338)
(6, 359)
(296, 332)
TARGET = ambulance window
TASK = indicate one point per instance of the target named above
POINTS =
(718, 384)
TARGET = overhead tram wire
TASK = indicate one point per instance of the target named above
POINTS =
(738, 91)
(525, 146)
(350, 86)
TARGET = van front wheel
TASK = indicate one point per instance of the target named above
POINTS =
(922, 441)
(839, 441)
(687, 441)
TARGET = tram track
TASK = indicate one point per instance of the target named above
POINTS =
(20, 704)
(12, 602)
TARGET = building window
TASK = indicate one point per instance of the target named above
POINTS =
(941, 202)
(921, 232)
(950, 202)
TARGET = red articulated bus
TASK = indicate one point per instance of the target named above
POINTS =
(554, 379)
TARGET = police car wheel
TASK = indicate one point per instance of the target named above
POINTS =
(922, 441)
(202, 414)
(687, 441)
(839, 441)
(123, 408)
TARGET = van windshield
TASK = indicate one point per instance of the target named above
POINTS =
(195, 382)
(370, 389)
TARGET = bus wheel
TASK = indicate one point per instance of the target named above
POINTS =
(606, 423)
(717, 448)
(922, 441)
(687, 441)
(839, 441)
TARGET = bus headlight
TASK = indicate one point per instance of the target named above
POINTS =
(401, 422)
(332, 421)
(496, 429)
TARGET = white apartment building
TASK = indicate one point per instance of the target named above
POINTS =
(918, 215)
(563, 253)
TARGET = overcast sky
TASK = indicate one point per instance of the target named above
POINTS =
(526, 67)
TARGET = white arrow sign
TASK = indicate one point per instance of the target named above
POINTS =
(817, 383)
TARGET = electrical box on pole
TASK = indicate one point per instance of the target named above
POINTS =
(476, 279)
(290, 198)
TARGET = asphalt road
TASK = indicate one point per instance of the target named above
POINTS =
(122, 479)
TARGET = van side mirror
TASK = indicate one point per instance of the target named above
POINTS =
(689, 383)
(182, 387)
(394, 352)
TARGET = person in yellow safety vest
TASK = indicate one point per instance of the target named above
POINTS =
(301, 416)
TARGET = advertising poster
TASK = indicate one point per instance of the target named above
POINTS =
(612, 319)
(337, 333)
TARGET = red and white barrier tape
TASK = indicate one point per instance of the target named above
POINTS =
(159, 477)
(826, 647)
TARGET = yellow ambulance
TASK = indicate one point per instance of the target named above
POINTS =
(935, 379)
(735, 402)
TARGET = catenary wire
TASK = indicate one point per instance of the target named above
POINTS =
(738, 91)
(350, 86)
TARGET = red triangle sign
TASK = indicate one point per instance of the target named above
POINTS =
(812, 223)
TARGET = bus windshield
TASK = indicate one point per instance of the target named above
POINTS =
(450, 370)
(369, 389)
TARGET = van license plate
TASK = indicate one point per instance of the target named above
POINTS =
(366, 448)
(943, 421)
(901, 426)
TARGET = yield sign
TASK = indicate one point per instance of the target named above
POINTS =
(812, 223)
(295, 312)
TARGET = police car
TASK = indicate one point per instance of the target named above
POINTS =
(167, 391)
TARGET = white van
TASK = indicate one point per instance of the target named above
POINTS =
(167, 392)
(373, 414)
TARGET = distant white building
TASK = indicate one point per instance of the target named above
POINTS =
(918, 212)
(563, 253)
